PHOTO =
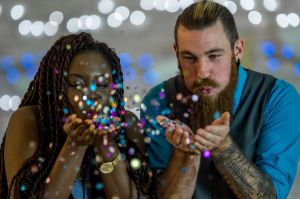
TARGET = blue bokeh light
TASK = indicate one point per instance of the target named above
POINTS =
(145, 61)
(30, 73)
(287, 52)
(12, 76)
(273, 64)
(6, 62)
(27, 60)
(151, 76)
(129, 73)
(297, 69)
(268, 49)
(125, 60)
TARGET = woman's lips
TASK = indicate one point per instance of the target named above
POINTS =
(90, 114)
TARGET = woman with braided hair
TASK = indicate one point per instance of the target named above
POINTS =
(71, 136)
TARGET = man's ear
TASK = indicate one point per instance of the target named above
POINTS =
(239, 49)
(176, 50)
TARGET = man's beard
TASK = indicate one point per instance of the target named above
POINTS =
(205, 109)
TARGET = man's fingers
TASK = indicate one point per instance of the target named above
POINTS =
(177, 136)
(225, 118)
(164, 121)
(185, 140)
(214, 131)
(204, 142)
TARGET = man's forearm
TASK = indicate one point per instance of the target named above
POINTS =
(180, 177)
(242, 176)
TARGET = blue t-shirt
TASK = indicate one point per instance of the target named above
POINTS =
(78, 190)
(278, 146)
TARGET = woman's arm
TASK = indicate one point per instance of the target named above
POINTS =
(118, 183)
(22, 138)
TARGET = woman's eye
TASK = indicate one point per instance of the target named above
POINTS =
(77, 83)
(102, 82)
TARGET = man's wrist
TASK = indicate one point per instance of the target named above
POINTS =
(223, 147)
(185, 154)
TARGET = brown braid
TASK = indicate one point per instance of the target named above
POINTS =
(48, 91)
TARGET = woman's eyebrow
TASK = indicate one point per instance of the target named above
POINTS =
(77, 75)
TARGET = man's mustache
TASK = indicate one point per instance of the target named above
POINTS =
(198, 83)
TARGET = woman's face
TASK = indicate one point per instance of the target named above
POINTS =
(90, 84)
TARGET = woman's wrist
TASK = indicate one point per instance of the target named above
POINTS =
(107, 152)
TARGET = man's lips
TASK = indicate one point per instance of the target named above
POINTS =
(204, 90)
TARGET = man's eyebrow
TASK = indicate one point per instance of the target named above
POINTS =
(214, 50)
(186, 52)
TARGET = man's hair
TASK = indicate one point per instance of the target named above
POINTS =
(204, 14)
(48, 91)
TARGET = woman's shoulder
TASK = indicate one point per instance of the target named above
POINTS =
(25, 114)
(23, 125)
(21, 139)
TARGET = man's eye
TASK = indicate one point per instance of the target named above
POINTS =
(190, 59)
(214, 56)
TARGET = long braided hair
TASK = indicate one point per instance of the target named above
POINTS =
(48, 91)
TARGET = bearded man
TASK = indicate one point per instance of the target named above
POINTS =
(218, 130)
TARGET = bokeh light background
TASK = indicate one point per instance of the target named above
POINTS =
(141, 31)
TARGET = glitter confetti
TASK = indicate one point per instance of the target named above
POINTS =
(68, 47)
(93, 87)
(206, 154)
(135, 163)
(183, 170)
(23, 187)
(47, 180)
(195, 98)
(131, 151)
(137, 98)
(99, 186)
(217, 115)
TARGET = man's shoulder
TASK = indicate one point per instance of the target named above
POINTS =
(154, 92)
(284, 89)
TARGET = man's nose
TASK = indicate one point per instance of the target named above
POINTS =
(202, 70)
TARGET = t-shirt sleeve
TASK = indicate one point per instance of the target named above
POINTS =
(278, 147)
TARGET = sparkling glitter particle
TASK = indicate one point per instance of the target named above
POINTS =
(206, 153)
(135, 163)
(76, 98)
(183, 170)
(47, 180)
(32, 144)
(99, 186)
(23, 187)
(217, 115)
(195, 98)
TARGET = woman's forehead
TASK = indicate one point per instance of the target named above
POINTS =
(89, 63)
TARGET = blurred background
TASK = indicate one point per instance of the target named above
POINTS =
(141, 31)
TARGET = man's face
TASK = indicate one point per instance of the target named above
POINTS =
(205, 58)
